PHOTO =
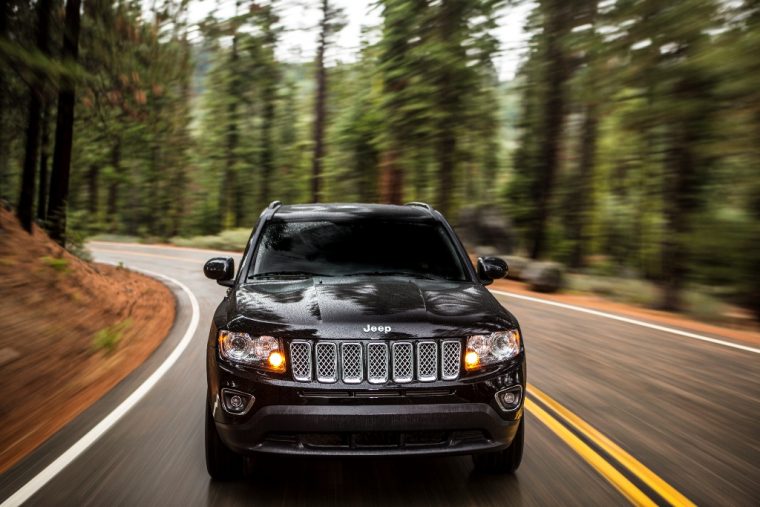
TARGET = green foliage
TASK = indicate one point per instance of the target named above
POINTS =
(108, 338)
(626, 146)
(59, 264)
(233, 240)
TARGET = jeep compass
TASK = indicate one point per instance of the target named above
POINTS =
(361, 330)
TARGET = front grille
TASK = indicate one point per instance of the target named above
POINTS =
(351, 358)
(450, 353)
(326, 355)
(376, 362)
(427, 361)
(401, 440)
(300, 360)
(403, 362)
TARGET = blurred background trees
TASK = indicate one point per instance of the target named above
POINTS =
(628, 143)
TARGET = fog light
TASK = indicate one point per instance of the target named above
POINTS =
(277, 360)
(509, 399)
(236, 402)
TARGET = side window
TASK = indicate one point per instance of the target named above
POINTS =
(243, 264)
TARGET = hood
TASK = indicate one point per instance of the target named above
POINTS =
(347, 308)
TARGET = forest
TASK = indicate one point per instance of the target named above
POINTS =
(627, 144)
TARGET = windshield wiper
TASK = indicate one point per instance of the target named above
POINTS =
(391, 273)
(303, 274)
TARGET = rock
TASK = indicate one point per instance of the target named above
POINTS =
(544, 276)
(486, 225)
(517, 266)
(7, 355)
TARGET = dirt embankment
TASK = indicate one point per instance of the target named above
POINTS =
(69, 331)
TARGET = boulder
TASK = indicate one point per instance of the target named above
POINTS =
(487, 226)
(544, 276)
(517, 266)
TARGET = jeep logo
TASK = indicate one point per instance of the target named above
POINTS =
(376, 329)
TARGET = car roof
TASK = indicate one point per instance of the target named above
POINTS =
(352, 211)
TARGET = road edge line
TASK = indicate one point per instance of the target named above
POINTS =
(36, 483)
(628, 320)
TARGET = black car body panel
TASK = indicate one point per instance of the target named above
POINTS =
(436, 416)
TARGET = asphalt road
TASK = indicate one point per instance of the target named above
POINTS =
(618, 413)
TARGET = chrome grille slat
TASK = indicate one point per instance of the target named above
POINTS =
(403, 361)
(427, 361)
(326, 358)
(352, 365)
(377, 362)
(451, 353)
(300, 360)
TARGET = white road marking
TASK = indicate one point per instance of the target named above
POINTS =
(657, 327)
(38, 481)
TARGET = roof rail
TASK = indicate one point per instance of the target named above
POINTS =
(420, 204)
(274, 205)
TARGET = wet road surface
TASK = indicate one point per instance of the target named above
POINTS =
(617, 414)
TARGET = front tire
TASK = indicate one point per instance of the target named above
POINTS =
(222, 464)
(506, 461)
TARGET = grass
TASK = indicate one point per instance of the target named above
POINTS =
(116, 238)
(8, 261)
(60, 265)
(697, 304)
(108, 338)
(232, 240)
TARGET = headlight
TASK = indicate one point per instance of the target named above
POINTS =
(261, 351)
(493, 348)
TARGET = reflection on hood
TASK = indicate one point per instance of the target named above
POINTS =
(341, 307)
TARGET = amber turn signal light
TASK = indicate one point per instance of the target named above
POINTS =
(471, 360)
(277, 360)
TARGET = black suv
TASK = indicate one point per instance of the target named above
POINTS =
(361, 329)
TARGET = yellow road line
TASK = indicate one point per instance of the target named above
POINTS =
(662, 488)
(142, 254)
(618, 480)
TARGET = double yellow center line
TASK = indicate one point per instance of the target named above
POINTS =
(617, 479)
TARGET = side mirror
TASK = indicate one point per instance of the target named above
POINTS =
(221, 269)
(491, 268)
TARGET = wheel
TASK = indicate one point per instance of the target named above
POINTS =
(506, 461)
(222, 464)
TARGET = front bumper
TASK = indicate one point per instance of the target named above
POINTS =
(430, 418)
(371, 430)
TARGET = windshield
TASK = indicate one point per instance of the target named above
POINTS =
(356, 248)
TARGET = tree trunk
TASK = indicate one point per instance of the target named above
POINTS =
(446, 151)
(25, 209)
(4, 7)
(113, 187)
(678, 195)
(556, 23)
(229, 193)
(92, 190)
(583, 200)
(391, 179)
(267, 150)
(319, 107)
(44, 156)
(64, 131)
